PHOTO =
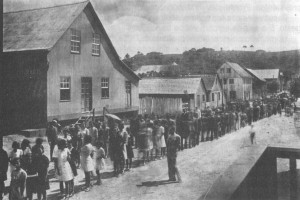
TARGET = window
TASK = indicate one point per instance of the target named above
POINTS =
(219, 96)
(229, 70)
(104, 88)
(128, 93)
(198, 101)
(212, 97)
(222, 70)
(75, 41)
(231, 81)
(65, 88)
(96, 45)
(225, 81)
(203, 97)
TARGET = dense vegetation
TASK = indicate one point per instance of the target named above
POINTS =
(206, 60)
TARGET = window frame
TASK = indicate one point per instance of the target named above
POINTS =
(231, 81)
(105, 86)
(203, 97)
(62, 87)
(77, 40)
(225, 81)
(228, 70)
(95, 44)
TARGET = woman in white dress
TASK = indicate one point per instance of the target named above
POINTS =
(64, 170)
(162, 139)
(87, 162)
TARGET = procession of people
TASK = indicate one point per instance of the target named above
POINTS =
(89, 144)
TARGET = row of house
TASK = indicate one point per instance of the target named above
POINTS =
(59, 63)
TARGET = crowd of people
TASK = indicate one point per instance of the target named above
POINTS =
(88, 144)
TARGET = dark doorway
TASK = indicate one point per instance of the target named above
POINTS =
(86, 94)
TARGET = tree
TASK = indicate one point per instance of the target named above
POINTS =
(273, 87)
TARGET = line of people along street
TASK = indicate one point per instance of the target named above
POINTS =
(87, 145)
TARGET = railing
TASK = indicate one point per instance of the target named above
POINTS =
(254, 176)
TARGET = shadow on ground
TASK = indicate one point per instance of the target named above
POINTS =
(156, 183)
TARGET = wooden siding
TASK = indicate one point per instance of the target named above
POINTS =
(160, 105)
(64, 63)
(23, 93)
(217, 88)
(239, 84)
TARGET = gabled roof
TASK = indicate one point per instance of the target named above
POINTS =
(40, 29)
(209, 80)
(255, 75)
(238, 69)
(170, 85)
(267, 73)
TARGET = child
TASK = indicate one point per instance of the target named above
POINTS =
(100, 163)
(129, 147)
(15, 153)
(18, 181)
(72, 161)
(42, 170)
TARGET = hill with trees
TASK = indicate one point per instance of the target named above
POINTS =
(207, 60)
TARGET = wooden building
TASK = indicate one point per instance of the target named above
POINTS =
(237, 82)
(269, 75)
(259, 85)
(171, 95)
(215, 95)
(60, 63)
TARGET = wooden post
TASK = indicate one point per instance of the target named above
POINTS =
(293, 179)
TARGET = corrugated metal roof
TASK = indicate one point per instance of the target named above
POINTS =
(257, 75)
(38, 28)
(156, 68)
(241, 71)
(267, 73)
(169, 85)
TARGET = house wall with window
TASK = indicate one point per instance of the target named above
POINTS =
(217, 93)
(76, 58)
(237, 83)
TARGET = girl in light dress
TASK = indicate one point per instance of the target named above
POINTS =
(86, 160)
(64, 170)
(100, 163)
(16, 153)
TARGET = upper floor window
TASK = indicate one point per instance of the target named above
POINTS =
(104, 88)
(229, 70)
(75, 41)
(96, 44)
(65, 88)
(231, 81)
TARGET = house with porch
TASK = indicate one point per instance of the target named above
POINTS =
(60, 63)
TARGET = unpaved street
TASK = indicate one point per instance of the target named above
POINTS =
(199, 166)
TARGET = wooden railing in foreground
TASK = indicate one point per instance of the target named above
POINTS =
(254, 176)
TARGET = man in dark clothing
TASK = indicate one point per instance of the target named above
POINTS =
(52, 137)
(279, 108)
(173, 145)
(3, 167)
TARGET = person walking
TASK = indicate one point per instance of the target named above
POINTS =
(173, 144)
(100, 163)
(93, 133)
(3, 168)
(252, 134)
(129, 147)
(42, 170)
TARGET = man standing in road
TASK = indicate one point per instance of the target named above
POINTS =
(252, 134)
(173, 144)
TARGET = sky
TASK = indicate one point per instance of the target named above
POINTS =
(174, 26)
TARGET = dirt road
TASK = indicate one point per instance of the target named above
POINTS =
(199, 166)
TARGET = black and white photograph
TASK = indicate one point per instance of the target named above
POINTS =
(150, 100)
